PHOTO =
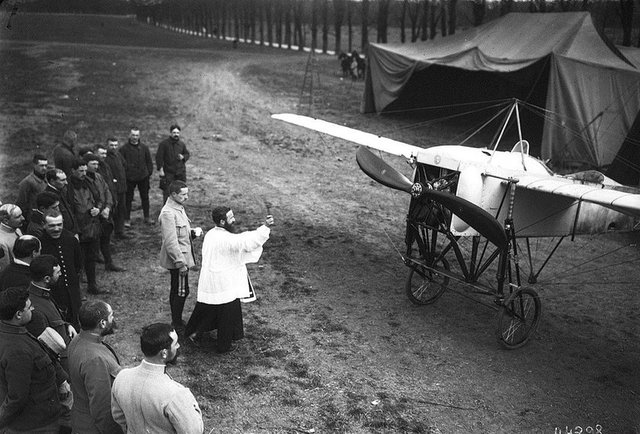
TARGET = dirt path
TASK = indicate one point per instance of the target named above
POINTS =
(333, 344)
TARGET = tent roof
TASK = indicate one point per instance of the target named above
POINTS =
(516, 41)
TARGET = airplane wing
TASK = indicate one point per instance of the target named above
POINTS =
(607, 196)
(626, 202)
(360, 137)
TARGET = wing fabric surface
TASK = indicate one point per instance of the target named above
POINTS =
(473, 215)
(360, 137)
(607, 196)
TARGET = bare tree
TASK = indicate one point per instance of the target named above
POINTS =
(451, 10)
(314, 24)
(434, 16)
(414, 16)
(268, 16)
(424, 21)
(339, 9)
(278, 21)
(260, 15)
(403, 15)
(479, 11)
(383, 20)
(325, 25)
(350, 24)
(223, 19)
(287, 24)
(626, 19)
(443, 18)
(252, 18)
(298, 17)
(236, 20)
(365, 24)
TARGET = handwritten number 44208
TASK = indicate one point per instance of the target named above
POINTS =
(596, 429)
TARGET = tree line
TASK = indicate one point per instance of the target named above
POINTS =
(342, 25)
(312, 23)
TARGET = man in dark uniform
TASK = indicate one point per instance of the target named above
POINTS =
(170, 160)
(31, 185)
(116, 163)
(139, 168)
(29, 379)
(61, 243)
(87, 206)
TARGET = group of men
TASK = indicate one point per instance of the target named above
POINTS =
(51, 386)
(92, 189)
(74, 381)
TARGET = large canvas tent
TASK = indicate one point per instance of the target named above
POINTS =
(558, 61)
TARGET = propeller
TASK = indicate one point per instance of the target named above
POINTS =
(378, 170)
(471, 213)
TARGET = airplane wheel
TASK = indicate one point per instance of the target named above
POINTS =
(518, 318)
(424, 286)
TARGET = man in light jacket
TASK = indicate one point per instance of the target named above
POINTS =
(145, 399)
(176, 252)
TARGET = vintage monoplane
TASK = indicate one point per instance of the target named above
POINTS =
(469, 205)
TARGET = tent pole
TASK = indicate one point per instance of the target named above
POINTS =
(504, 127)
(524, 166)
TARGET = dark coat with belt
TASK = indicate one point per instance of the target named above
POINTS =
(84, 196)
(28, 382)
(138, 163)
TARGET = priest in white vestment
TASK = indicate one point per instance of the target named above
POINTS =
(224, 279)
